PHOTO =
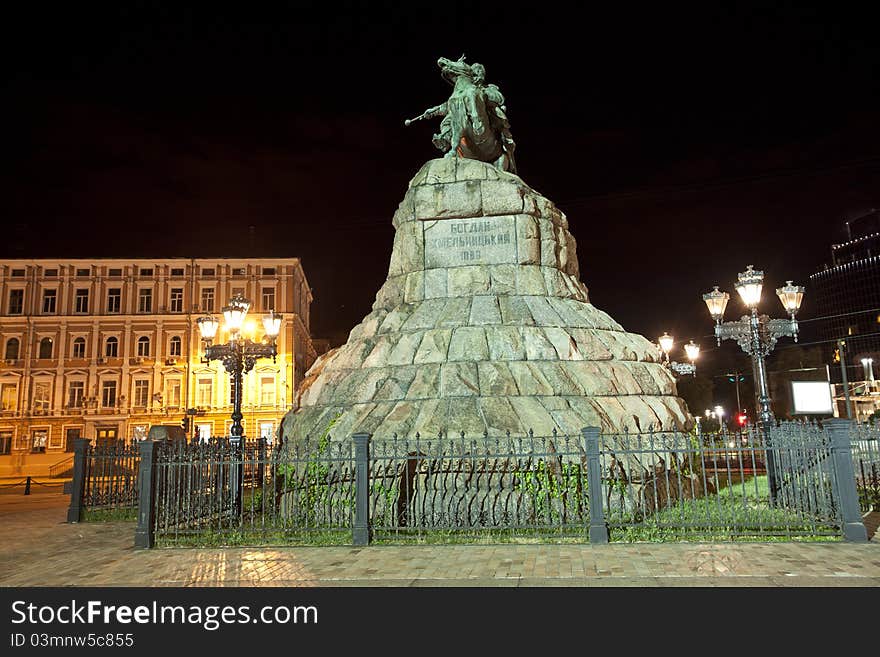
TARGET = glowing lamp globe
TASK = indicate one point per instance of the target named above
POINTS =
(716, 302)
(666, 341)
(207, 327)
(235, 313)
(749, 286)
(272, 324)
(791, 296)
(692, 350)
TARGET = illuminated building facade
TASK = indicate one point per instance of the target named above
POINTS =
(105, 349)
(847, 297)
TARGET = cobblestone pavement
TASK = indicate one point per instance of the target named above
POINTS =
(41, 549)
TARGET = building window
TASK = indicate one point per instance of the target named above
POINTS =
(70, 435)
(208, 299)
(39, 439)
(267, 391)
(50, 273)
(177, 300)
(41, 401)
(268, 271)
(111, 347)
(267, 432)
(108, 394)
(172, 393)
(174, 347)
(18, 273)
(45, 350)
(75, 394)
(208, 272)
(177, 271)
(143, 346)
(12, 349)
(145, 300)
(49, 298)
(114, 299)
(114, 272)
(83, 272)
(238, 271)
(9, 396)
(146, 272)
(141, 392)
(81, 301)
(236, 291)
(268, 298)
(16, 302)
(5, 442)
(204, 432)
(79, 348)
(205, 393)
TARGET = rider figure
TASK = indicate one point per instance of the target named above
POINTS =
(463, 109)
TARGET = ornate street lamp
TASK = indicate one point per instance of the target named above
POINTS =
(238, 356)
(692, 350)
(757, 335)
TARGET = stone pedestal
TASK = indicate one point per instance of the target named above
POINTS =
(484, 326)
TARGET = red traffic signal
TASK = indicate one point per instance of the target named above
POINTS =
(742, 419)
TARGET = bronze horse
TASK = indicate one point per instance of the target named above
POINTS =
(474, 124)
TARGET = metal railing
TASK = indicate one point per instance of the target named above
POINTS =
(63, 468)
(111, 476)
(643, 487)
(865, 445)
(488, 487)
(677, 486)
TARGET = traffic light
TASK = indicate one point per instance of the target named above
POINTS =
(185, 423)
(742, 419)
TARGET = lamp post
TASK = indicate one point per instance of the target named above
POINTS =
(757, 335)
(238, 356)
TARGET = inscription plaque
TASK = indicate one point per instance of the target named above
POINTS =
(479, 241)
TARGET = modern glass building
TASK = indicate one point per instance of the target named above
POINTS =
(847, 297)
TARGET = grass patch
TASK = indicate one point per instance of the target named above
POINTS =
(739, 512)
(269, 538)
(110, 515)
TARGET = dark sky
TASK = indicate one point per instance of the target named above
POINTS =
(682, 144)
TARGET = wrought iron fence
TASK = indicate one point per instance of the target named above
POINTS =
(110, 478)
(796, 481)
(670, 485)
(491, 487)
(306, 496)
(865, 448)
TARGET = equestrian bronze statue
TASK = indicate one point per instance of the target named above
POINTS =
(474, 123)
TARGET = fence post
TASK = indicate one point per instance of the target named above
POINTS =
(27, 486)
(841, 453)
(361, 531)
(81, 448)
(144, 534)
(598, 526)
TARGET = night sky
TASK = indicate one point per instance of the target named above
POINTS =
(682, 144)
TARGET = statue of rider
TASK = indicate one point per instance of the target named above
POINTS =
(475, 103)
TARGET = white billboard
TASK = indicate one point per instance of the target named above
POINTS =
(812, 398)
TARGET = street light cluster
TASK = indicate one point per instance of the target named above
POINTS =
(241, 353)
(756, 334)
(691, 350)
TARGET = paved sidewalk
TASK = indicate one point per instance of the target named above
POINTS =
(41, 549)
